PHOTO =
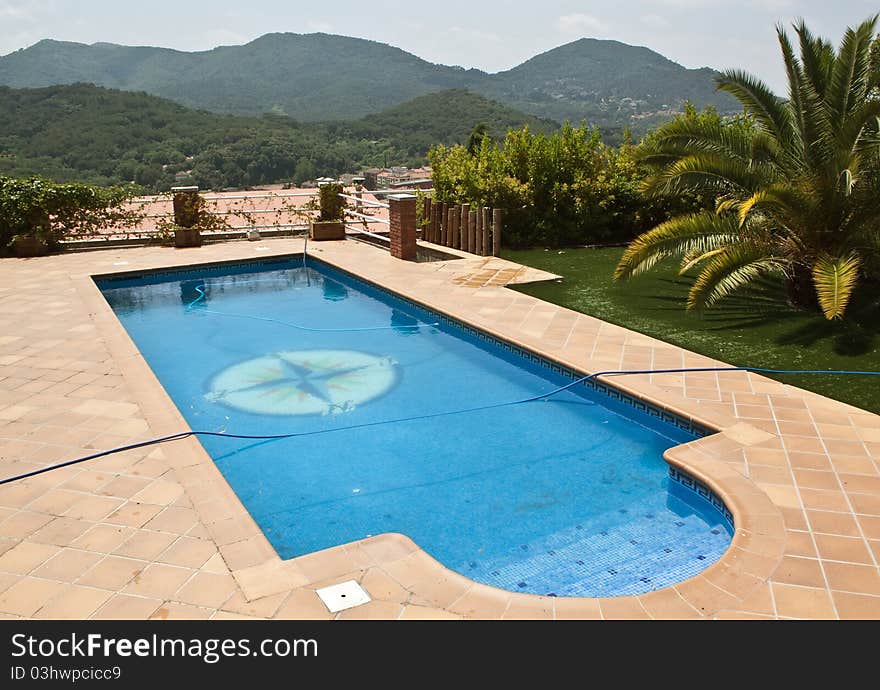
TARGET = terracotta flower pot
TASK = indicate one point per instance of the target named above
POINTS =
(187, 237)
(29, 246)
(326, 230)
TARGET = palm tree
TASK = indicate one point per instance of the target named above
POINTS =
(797, 181)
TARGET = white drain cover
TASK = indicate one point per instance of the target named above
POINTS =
(345, 595)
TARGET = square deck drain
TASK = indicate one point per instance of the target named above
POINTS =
(345, 595)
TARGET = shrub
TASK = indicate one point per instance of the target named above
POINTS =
(331, 204)
(53, 212)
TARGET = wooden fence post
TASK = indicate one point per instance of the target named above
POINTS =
(478, 232)
(455, 242)
(426, 218)
(484, 241)
(496, 232)
(472, 232)
(462, 227)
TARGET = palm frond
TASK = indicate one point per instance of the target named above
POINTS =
(875, 60)
(696, 257)
(746, 206)
(685, 136)
(759, 101)
(795, 73)
(858, 134)
(835, 279)
(729, 271)
(712, 173)
(697, 232)
(817, 59)
(851, 76)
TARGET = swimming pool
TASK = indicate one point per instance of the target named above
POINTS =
(568, 496)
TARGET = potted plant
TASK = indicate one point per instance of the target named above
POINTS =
(36, 244)
(37, 238)
(188, 207)
(330, 224)
(187, 237)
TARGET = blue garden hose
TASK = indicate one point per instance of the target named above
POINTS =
(542, 396)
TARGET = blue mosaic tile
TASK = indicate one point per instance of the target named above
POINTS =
(614, 554)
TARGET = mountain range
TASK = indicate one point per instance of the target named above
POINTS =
(312, 77)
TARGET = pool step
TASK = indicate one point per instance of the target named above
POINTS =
(611, 555)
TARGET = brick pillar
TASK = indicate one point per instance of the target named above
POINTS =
(402, 215)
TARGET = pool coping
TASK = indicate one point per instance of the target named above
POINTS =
(754, 554)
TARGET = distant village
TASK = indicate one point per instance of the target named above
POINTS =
(371, 179)
(389, 178)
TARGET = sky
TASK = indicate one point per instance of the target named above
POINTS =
(492, 36)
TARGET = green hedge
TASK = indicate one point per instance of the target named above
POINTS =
(562, 189)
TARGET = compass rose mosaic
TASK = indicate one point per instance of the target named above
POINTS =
(304, 382)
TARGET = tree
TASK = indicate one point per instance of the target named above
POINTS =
(797, 181)
(305, 170)
(475, 140)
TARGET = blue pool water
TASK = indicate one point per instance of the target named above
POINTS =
(569, 496)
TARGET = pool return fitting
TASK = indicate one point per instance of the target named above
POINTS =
(543, 396)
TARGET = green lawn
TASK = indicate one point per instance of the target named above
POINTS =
(754, 328)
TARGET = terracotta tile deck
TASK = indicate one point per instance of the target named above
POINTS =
(157, 532)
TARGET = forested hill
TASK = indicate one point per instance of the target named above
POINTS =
(326, 77)
(93, 134)
(606, 82)
(447, 117)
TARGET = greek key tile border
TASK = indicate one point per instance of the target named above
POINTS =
(697, 487)
(199, 270)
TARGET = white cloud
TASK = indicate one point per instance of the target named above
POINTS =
(13, 11)
(24, 12)
(580, 24)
